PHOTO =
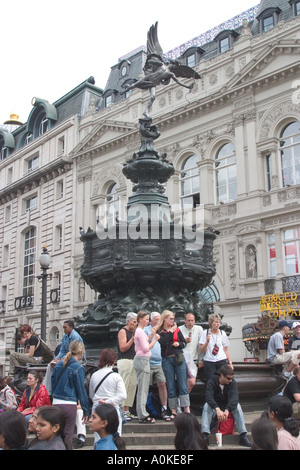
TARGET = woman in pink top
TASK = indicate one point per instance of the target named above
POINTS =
(281, 413)
(141, 364)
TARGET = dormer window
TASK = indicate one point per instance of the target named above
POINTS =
(108, 101)
(225, 40)
(42, 118)
(268, 18)
(268, 23)
(295, 4)
(192, 56)
(191, 60)
(225, 45)
(109, 97)
(7, 143)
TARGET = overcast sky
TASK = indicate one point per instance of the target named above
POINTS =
(48, 48)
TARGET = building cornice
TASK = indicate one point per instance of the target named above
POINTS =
(35, 178)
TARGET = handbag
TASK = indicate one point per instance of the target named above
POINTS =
(179, 358)
(226, 427)
(178, 355)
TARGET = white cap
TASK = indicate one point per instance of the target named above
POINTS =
(295, 324)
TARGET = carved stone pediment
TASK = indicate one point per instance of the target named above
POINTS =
(104, 134)
(265, 63)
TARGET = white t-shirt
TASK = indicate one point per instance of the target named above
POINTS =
(221, 340)
(193, 346)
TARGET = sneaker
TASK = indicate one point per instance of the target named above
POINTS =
(131, 416)
(126, 415)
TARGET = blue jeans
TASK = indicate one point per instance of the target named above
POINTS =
(208, 413)
(176, 379)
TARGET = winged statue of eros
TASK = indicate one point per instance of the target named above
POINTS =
(158, 70)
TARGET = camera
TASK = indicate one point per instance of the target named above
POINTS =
(215, 350)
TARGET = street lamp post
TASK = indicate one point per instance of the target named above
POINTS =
(45, 260)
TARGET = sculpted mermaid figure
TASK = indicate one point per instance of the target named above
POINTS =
(158, 70)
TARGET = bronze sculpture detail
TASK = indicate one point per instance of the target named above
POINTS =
(159, 71)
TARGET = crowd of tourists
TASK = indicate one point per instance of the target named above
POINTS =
(150, 376)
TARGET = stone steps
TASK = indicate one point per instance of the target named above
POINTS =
(160, 436)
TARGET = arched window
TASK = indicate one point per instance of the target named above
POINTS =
(226, 180)
(29, 263)
(290, 154)
(190, 184)
(112, 204)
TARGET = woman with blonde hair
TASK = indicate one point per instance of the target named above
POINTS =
(214, 344)
(68, 387)
(172, 343)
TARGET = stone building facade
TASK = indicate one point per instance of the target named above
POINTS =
(234, 143)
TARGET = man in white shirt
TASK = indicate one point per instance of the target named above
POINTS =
(192, 334)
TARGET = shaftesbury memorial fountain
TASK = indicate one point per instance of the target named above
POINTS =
(153, 260)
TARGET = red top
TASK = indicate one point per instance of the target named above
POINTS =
(39, 398)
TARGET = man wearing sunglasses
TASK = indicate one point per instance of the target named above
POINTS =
(221, 397)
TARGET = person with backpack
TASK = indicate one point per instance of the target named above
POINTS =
(33, 351)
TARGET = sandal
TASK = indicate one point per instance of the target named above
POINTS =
(147, 420)
(167, 417)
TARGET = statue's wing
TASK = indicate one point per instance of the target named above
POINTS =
(184, 71)
(153, 46)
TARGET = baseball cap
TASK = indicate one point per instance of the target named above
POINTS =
(295, 324)
(284, 323)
